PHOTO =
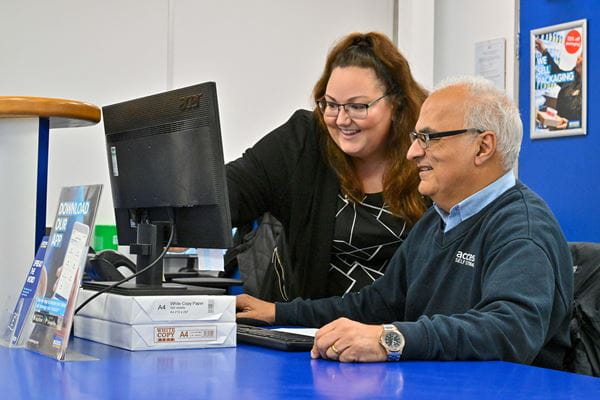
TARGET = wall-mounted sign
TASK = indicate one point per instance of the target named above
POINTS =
(558, 80)
(490, 61)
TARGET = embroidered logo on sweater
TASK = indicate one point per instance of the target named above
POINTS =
(465, 258)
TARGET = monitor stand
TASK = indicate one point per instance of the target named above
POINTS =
(150, 239)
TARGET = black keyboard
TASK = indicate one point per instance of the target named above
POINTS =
(285, 341)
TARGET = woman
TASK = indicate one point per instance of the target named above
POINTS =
(337, 178)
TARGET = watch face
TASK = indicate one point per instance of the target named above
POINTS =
(393, 341)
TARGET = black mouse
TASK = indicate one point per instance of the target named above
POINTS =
(252, 322)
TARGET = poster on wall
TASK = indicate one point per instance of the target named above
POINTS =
(558, 80)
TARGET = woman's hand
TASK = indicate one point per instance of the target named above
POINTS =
(251, 307)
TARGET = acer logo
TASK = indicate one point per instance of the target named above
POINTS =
(189, 102)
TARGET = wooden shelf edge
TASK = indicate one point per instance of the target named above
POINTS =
(63, 113)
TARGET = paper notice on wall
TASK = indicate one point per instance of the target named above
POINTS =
(490, 61)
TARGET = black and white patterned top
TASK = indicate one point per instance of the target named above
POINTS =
(365, 238)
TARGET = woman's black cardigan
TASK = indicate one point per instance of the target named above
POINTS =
(287, 174)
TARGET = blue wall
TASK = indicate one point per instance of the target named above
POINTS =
(564, 171)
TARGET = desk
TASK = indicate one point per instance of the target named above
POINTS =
(249, 372)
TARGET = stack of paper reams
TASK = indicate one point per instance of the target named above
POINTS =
(157, 322)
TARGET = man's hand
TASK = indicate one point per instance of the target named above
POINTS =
(539, 117)
(251, 307)
(349, 341)
(563, 123)
(539, 45)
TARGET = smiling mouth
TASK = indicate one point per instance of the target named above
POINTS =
(424, 169)
(348, 132)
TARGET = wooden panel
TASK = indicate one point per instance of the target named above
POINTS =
(62, 112)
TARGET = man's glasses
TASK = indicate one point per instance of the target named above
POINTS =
(424, 138)
(354, 110)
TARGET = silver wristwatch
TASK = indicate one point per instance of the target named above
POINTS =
(392, 341)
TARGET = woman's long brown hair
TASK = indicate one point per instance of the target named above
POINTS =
(375, 51)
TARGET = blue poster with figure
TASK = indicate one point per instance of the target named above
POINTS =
(558, 80)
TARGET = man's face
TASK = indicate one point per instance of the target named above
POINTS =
(446, 167)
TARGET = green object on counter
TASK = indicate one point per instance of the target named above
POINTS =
(105, 237)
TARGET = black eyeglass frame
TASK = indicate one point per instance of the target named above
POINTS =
(426, 137)
(322, 103)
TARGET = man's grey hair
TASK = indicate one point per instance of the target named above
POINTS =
(488, 108)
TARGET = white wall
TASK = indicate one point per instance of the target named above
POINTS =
(265, 56)
(459, 24)
(416, 38)
(438, 36)
(98, 52)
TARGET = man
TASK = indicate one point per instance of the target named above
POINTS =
(485, 274)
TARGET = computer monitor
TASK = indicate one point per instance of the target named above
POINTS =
(166, 165)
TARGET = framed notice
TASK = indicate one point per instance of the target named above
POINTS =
(558, 80)
(490, 61)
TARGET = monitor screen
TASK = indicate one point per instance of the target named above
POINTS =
(166, 166)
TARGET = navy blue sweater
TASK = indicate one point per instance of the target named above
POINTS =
(496, 287)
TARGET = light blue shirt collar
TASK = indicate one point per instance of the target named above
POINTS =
(476, 202)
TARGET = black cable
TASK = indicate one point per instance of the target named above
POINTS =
(160, 257)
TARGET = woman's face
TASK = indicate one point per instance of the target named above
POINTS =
(364, 139)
